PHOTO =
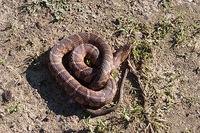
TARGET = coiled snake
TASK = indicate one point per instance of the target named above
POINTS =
(101, 87)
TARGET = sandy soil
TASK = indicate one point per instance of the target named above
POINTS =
(32, 101)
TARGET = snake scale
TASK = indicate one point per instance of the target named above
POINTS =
(101, 87)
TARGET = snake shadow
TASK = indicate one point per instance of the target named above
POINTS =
(39, 77)
(58, 101)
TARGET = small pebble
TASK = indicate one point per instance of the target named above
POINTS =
(1, 114)
(58, 118)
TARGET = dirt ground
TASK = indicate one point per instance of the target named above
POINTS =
(165, 60)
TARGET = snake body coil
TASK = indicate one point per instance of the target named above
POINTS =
(102, 88)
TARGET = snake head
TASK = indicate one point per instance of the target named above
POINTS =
(121, 54)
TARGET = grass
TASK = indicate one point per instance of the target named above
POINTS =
(7, 27)
(189, 100)
(141, 51)
(100, 126)
(175, 31)
(88, 124)
(33, 59)
(114, 74)
(13, 108)
(131, 114)
(57, 8)
(2, 62)
(103, 126)
(126, 114)
(88, 62)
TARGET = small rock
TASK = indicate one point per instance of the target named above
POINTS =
(138, 35)
(58, 118)
(73, 119)
(1, 114)
(32, 116)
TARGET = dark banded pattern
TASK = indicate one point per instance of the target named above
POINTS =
(79, 92)
(81, 70)
(102, 85)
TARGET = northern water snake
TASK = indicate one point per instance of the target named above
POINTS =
(102, 87)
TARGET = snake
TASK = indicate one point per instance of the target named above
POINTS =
(100, 88)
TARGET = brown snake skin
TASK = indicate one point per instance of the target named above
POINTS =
(102, 88)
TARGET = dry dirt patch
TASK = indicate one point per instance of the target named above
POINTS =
(165, 38)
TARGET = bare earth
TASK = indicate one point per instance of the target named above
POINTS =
(32, 101)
